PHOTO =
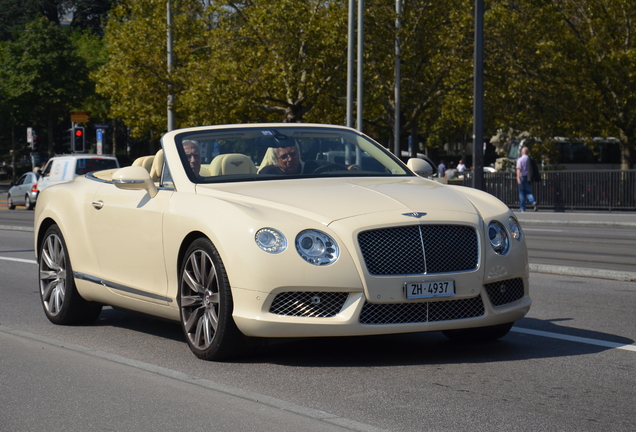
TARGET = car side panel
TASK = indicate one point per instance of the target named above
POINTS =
(126, 225)
(67, 205)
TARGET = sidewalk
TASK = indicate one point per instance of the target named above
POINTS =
(578, 218)
(625, 220)
(549, 218)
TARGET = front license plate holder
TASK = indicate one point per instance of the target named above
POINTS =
(428, 289)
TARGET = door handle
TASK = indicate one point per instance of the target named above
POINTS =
(98, 204)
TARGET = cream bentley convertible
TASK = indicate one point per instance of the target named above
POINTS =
(280, 230)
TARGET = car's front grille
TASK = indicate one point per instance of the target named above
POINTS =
(403, 313)
(504, 292)
(419, 249)
(308, 304)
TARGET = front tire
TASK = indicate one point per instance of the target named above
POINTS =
(10, 203)
(479, 334)
(61, 302)
(205, 304)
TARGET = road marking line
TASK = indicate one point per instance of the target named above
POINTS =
(202, 382)
(575, 339)
(18, 260)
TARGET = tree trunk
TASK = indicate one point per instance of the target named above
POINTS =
(626, 155)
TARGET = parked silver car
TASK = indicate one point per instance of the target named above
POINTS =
(24, 191)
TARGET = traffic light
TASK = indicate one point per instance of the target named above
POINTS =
(77, 139)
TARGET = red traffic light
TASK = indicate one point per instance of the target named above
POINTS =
(79, 132)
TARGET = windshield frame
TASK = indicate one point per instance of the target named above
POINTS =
(315, 142)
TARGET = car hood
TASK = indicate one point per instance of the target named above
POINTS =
(328, 200)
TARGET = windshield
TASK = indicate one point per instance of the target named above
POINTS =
(87, 165)
(262, 153)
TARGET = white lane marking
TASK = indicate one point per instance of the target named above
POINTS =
(18, 260)
(515, 329)
(543, 230)
(575, 339)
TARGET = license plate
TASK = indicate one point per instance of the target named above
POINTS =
(416, 290)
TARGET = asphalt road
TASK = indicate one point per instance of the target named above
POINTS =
(568, 366)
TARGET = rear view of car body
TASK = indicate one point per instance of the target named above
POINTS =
(64, 168)
(24, 192)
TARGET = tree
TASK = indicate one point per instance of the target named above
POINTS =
(135, 79)
(278, 59)
(565, 68)
(256, 61)
(436, 68)
(42, 77)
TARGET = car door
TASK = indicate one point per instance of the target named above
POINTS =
(126, 226)
(21, 188)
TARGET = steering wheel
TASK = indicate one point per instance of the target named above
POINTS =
(330, 167)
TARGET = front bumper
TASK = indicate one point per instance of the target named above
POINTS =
(495, 303)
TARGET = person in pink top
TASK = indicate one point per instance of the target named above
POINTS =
(525, 187)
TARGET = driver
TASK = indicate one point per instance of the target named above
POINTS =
(286, 160)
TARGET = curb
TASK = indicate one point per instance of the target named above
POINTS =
(589, 224)
(16, 228)
(583, 272)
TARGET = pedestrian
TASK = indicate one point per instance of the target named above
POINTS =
(441, 169)
(461, 167)
(525, 187)
(451, 172)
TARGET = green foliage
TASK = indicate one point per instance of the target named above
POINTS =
(41, 77)
(553, 67)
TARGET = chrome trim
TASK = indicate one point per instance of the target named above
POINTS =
(125, 181)
(118, 287)
(90, 176)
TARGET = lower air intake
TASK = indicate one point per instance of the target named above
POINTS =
(308, 304)
(403, 313)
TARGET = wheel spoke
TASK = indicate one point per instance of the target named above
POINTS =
(58, 299)
(207, 330)
(191, 301)
(193, 319)
(213, 318)
(214, 298)
(46, 257)
(47, 275)
(48, 289)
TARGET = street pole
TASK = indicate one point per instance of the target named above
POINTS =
(360, 63)
(350, 50)
(171, 123)
(478, 101)
(396, 122)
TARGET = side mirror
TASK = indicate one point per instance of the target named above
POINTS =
(420, 167)
(134, 178)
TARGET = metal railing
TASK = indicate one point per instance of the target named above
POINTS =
(568, 190)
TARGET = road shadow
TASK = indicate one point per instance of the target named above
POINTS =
(431, 348)
(140, 323)
(388, 350)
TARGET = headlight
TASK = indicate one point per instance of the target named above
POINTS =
(498, 236)
(515, 229)
(270, 240)
(316, 247)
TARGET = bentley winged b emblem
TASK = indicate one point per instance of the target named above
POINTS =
(237, 163)
(416, 215)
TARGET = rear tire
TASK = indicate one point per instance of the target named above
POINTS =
(27, 202)
(206, 305)
(10, 203)
(479, 334)
(61, 302)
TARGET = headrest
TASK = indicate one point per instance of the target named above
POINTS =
(232, 163)
(157, 166)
